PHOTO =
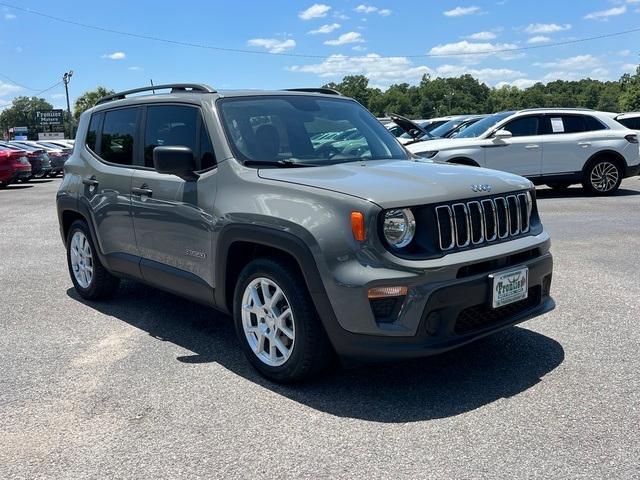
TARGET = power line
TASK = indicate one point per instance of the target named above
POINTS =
(301, 55)
(39, 92)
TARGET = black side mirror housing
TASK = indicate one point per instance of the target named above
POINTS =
(175, 160)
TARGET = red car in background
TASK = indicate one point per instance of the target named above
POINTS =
(14, 165)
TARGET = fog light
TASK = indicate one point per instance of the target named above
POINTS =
(383, 292)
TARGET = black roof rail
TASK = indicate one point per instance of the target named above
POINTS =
(175, 87)
(326, 91)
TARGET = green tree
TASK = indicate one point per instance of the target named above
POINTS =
(354, 86)
(22, 113)
(88, 99)
(630, 96)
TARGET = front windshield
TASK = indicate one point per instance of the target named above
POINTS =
(306, 130)
(445, 128)
(483, 125)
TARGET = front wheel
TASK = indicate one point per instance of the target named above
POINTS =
(277, 324)
(603, 177)
(90, 279)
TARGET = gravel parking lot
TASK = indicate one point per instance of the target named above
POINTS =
(152, 385)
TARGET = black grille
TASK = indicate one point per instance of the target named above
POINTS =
(481, 222)
(483, 316)
(384, 308)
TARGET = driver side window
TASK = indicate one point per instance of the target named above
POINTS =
(523, 127)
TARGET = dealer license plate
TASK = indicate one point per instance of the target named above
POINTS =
(509, 287)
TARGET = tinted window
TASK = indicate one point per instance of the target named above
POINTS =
(305, 129)
(169, 125)
(523, 127)
(92, 133)
(207, 156)
(573, 123)
(483, 125)
(633, 123)
(118, 133)
(592, 124)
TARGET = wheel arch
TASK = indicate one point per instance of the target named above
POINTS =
(609, 154)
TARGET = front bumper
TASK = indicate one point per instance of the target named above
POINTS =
(455, 313)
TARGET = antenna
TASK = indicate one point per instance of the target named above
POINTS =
(153, 89)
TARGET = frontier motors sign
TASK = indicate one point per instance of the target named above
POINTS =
(48, 117)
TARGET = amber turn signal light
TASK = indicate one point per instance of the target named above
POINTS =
(383, 292)
(357, 226)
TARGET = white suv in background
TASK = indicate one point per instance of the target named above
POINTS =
(557, 147)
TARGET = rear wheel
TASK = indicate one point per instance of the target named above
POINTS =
(277, 324)
(90, 279)
(602, 177)
(4, 185)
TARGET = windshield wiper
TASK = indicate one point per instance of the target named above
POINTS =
(284, 163)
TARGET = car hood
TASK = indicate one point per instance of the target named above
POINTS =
(400, 183)
(407, 125)
(440, 144)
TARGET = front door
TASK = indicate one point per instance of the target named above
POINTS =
(172, 216)
(522, 153)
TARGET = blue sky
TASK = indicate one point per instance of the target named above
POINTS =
(37, 50)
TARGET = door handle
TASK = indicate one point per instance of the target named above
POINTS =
(91, 181)
(144, 190)
(585, 144)
(532, 147)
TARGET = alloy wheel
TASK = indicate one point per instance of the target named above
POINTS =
(604, 176)
(81, 259)
(267, 321)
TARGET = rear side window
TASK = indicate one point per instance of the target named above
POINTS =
(523, 127)
(118, 134)
(92, 133)
(592, 124)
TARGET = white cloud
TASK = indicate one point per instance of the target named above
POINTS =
(273, 45)
(115, 56)
(57, 95)
(626, 52)
(345, 38)
(629, 67)
(9, 16)
(366, 9)
(538, 39)
(482, 36)
(316, 10)
(520, 83)
(4, 104)
(579, 62)
(595, 74)
(461, 11)
(486, 75)
(135, 68)
(8, 88)
(474, 52)
(381, 71)
(359, 48)
(605, 14)
(534, 28)
(328, 28)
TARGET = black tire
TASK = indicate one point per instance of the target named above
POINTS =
(4, 185)
(559, 185)
(594, 188)
(103, 284)
(311, 352)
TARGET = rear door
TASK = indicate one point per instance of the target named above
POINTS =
(568, 142)
(106, 183)
(522, 153)
(173, 217)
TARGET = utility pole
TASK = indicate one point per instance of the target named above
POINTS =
(66, 78)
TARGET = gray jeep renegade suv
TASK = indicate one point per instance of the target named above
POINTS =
(299, 214)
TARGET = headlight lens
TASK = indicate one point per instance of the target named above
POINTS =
(399, 227)
(429, 154)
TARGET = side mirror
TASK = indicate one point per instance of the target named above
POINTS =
(502, 134)
(175, 160)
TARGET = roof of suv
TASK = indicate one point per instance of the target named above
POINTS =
(192, 92)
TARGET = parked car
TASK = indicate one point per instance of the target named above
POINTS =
(453, 127)
(38, 158)
(557, 147)
(14, 166)
(64, 144)
(57, 155)
(630, 120)
(223, 199)
(419, 129)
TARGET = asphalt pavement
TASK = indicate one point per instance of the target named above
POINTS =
(150, 385)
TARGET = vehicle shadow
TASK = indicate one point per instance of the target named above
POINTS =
(40, 180)
(578, 192)
(500, 366)
(17, 186)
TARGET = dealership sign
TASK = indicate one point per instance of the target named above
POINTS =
(49, 117)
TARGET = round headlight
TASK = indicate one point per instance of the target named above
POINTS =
(399, 227)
